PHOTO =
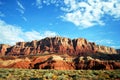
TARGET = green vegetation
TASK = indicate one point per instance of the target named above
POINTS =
(37, 74)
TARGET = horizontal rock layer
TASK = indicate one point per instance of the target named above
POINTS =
(60, 45)
(59, 62)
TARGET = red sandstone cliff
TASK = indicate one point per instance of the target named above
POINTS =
(3, 49)
(61, 45)
(59, 62)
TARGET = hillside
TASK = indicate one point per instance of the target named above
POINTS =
(59, 53)
(59, 62)
(79, 46)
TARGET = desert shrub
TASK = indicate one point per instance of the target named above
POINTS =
(63, 77)
(37, 74)
(76, 77)
(35, 79)
(114, 75)
(96, 72)
(48, 75)
(103, 76)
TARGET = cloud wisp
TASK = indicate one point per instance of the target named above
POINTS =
(21, 9)
(107, 42)
(85, 13)
(20, 5)
(24, 18)
(88, 13)
(39, 3)
(11, 34)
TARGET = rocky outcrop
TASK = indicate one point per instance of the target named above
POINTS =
(3, 49)
(60, 62)
(82, 46)
(53, 62)
(59, 45)
(104, 49)
(95, 64)
(20, 64)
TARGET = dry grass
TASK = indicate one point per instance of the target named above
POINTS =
(37, 74)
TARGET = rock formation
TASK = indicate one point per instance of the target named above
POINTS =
(52, 62)
(3, 49)
(59, 45)
(118, 51)
(60, 62)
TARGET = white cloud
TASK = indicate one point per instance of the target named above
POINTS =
(31, 35)
(24, 18)
(116, 47)
(21, 8)
(39, 3)
(108, 42)
(10, 34)
(21, 11)
(85, 13)
(89, 13)
(49, 33)
(105, 41)
(1, 14)
(20, 5)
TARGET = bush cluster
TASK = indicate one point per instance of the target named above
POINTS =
(37, 74)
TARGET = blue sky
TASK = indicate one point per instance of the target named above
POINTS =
(26, 20)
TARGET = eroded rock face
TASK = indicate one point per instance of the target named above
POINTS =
(60, 45)
(3, 49)
(52, 62)
(95, 64)
(104, 49)
(20, 64)
(82, 46)
(59, 62)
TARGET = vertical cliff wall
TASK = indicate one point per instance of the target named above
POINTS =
(61, 45)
